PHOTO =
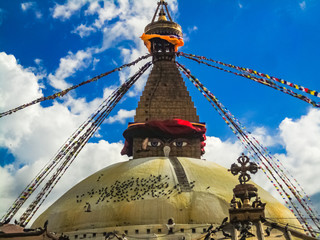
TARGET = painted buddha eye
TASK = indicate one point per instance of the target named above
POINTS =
(179, 143)
(154, 143)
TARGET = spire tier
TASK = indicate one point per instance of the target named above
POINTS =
(165, 96)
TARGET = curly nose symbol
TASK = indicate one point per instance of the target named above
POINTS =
(166, 151)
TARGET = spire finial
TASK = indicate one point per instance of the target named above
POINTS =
(163, 12)
(162, 15)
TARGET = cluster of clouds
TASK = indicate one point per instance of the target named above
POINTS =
(299, 150)
(117, 22)
(31, 6)
(33, 136)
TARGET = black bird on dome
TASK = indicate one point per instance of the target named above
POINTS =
(225, 234)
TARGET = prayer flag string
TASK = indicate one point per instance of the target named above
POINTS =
(68, 152)
(272, 84)
(265, 81)
(64, 92)
(104, 112)
(254, 72)
(244, 140)
(258, 150)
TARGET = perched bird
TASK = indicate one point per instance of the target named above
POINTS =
(225, 234)
(268, 231)
(210, 228)
(208, 236)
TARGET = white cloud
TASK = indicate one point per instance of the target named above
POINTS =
(130, 55)
(300, 140)
(124, 20)
(33, 135)
(12, 75)
(93, 8)
(223, 153)
(302, 5)
(84, 31)
(65, 11)
(93, 157)
(262, 135)
(68, 66)
(122, 116)
(18, 133)
(38, 14)
(192, 29)
(94, 63)
(27, 5)
(105, 13)
(54, 124)
(38, 61)
(31, 6)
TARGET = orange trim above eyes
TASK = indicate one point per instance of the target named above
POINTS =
(135, 124)
(198, 124)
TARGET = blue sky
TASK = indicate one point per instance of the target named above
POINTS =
(46, 46)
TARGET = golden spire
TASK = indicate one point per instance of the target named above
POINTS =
(163, 12)
(162, 15)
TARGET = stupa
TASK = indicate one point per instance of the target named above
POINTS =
(165, 190)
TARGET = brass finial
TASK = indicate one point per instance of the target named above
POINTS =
(162, 15)
(164, 12)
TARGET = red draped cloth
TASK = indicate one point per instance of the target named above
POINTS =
(174, 128)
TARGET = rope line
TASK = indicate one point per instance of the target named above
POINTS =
(64, 92)
(103, 113)
(254, 72)
(305, 198)
(266, 82)
(256, 148)
(70, 150)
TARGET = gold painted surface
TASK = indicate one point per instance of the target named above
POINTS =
(208, 202)
(163, 25)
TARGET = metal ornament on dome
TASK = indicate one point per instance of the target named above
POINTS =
(246, 166)
(245, 209)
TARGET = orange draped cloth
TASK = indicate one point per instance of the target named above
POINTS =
(176, 41)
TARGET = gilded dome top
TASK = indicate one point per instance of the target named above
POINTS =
(163, 26)
(150, 191)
